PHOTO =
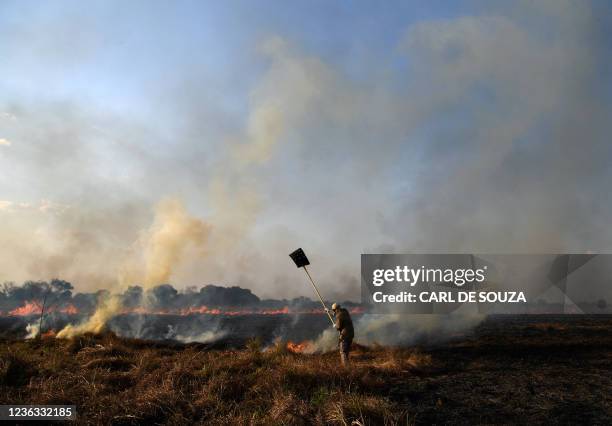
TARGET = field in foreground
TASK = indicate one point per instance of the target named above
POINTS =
(511, 370)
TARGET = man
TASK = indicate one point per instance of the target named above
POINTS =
(344, 325)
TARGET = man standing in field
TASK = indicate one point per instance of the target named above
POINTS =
(344, 325)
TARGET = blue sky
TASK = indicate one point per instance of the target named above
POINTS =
(342, 127)
(115, 52)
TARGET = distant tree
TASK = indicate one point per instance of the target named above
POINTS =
(54, 292)
(61, 287)
(162, 296)
(132, 297)
(602, 304)
(212, 295)
(7, 288)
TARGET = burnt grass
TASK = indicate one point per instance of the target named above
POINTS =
(510, 370)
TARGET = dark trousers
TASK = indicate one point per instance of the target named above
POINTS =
(345, 348)
(345, 345)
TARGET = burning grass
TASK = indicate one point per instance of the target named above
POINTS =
(493, 378)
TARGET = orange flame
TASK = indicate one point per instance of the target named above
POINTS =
(35, 308)
(298, 348)
(29, 308)
(50, 334)
(69, 309)
(205, 310)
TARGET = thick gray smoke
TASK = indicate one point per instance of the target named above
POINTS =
(482, 133)
(478, 133)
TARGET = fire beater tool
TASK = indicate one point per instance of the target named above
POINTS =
(301, 261)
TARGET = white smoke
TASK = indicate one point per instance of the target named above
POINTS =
(207, 336)
(32, 329)
(400, 330)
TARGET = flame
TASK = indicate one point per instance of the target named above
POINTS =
(34, 307)
(283, 311)
(51, 333)
(69, 309)
(299, 348)
(29, 308)
(229, 311)
(198, 310)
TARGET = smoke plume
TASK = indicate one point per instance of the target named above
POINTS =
(482, 131)
(396, 330)
(163, 245)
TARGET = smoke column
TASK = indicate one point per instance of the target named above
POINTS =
(164, 244)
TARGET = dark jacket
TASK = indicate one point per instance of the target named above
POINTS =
(344, 324)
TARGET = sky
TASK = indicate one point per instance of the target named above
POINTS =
(201, 142)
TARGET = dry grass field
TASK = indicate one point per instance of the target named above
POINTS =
(510, 371)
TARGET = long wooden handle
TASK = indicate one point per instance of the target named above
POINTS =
(319, 294)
